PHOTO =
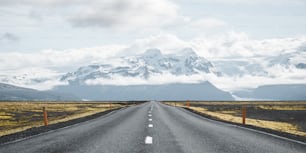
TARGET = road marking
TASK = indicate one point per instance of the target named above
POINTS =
(149, 140)
(150, 119)
(150, 115)
(150, 125)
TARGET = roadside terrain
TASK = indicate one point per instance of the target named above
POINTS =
(287, 117)
(20, 116)
(153, 127)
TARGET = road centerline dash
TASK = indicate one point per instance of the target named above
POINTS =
(148, 140)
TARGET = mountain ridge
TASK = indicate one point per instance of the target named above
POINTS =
(143, 66)
(275, 92)
(12, 93)
(175, 91)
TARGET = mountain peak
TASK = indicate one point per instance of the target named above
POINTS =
(189, 52)
(144, 66)
(152, 52)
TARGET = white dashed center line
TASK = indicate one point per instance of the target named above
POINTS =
(149, 140)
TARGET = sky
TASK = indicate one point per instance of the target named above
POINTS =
(56, 36)
(35, 25)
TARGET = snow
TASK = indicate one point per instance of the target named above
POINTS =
(142, 68)
(271, 62)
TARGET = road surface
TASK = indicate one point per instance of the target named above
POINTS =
(153, 127)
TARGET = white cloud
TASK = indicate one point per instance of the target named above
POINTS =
(237, 45)
(208, 23)
(36, 78)
(44, 3)
(275, 2)
(8, 37)
(165, 78)
(122, 13)
(58, 59)
(167, 43)
(251, 81)
(232, 45)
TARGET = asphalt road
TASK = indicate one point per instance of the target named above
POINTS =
(153, 127)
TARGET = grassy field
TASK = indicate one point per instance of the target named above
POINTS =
(19, 116)
(287, 117)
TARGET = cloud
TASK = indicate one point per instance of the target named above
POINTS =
(58, 59)
(275, 2)
(208, 23)
(157, 79)
(238, 45)
(36, 78)
(8, 37)
(122, 13)
(228, 46)
(167, 43)
(44, 3)
(118, 15)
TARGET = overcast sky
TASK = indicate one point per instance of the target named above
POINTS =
(36, 25)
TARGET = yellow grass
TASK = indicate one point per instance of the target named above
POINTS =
(19, 116)
(279, 126)
(285, 107)
(231, 115)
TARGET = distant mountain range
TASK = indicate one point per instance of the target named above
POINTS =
(275, 92)
(153, 75)
(11, 93)
(199, 91)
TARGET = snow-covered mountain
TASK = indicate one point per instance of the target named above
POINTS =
(265, 66)
(36, 78)
(151, 75)
(155, 69)
(144, 66)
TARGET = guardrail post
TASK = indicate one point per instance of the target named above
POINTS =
(243, 112)
(45, 116)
